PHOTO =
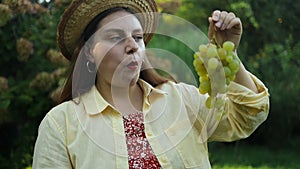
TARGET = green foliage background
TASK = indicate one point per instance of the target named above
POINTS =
(32, 70)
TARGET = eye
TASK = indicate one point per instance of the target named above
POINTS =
(138, 38)
(116, 38)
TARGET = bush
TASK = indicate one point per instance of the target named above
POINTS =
(30, 71)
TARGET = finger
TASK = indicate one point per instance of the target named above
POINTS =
(220, 22)
(215, 15)
(236, 22)
(211, 28)
(228, 18)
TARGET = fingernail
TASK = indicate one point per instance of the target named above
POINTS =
(215, 17)
(218, 24)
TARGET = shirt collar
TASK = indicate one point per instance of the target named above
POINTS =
(94, 103)
(148, 89)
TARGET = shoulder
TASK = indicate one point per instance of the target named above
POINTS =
(59, 116)
(64, 108)
(186, 91)
(180, 87)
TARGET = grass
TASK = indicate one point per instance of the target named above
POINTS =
(237, 156)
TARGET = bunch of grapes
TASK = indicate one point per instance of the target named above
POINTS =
(217, 67)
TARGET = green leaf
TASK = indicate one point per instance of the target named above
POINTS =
(4, 104)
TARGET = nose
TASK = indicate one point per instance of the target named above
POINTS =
(131, 45)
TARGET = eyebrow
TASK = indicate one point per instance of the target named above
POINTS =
(121, 31)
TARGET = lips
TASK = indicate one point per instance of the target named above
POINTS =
(133, 65)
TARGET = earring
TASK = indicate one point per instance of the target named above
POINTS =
(91, 70)
(142, 65)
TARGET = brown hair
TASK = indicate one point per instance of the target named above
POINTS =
(80, 80)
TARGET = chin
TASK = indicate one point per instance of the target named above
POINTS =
(125, 81)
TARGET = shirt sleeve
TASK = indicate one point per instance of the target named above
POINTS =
(50, 150)
(245, 110)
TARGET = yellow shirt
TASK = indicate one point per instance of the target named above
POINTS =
(88, 133)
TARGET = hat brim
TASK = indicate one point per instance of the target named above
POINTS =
(81, 12)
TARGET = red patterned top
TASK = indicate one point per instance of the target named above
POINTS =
(140, 154)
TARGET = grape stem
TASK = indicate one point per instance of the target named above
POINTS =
(214, 41)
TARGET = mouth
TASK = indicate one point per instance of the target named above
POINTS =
(133, 65)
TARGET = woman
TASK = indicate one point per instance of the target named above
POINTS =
(117, 112)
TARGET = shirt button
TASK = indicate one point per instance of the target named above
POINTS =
(164, 160)
(149, 134)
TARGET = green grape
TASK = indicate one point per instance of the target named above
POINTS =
(212, 64)
(232, 77)
(208, 102)
(222, 53)
(212, 45)
(227, 71)
(229, 58)
(228, 45)
(228, 80)
(203, 48)
(212, 52)
(197, 62)
(201, 70)
(196, 55)
(202, 90)
(234, 65)
(205, 86)
(203, 78)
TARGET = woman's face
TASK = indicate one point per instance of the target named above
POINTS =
(119, 49)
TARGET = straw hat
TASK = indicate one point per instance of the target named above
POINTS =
(80, 12)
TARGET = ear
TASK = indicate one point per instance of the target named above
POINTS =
(99, 50)
(88, 53)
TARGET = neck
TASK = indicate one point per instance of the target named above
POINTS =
(126, 100)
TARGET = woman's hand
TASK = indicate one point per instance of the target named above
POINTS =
(224, 26)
